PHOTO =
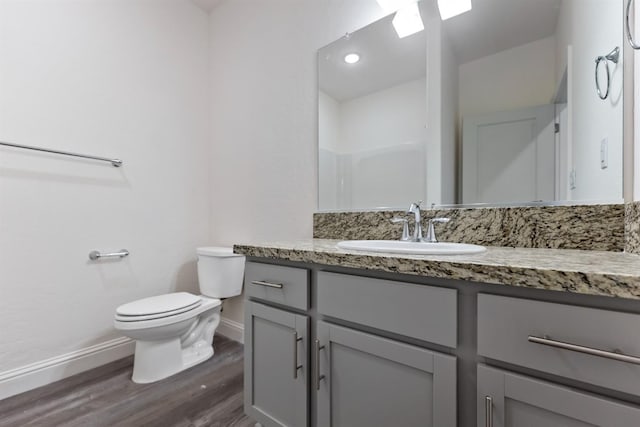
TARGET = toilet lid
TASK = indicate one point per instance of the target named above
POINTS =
(167, 304)
(218, 252)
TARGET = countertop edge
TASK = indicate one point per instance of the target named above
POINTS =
(574, 280)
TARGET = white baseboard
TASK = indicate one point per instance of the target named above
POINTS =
(56, 368)
(231, 329)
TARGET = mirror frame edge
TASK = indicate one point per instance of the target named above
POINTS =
(628, 131)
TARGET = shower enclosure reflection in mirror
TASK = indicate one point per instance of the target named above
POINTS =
(497, 105)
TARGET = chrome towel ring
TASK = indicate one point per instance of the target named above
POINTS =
(612, 56)
(628, 27)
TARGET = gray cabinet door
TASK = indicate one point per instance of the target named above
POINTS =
(276, 373)
(510, 400)
(365, 380)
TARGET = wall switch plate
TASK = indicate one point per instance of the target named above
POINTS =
(572, 179)
(604, 153)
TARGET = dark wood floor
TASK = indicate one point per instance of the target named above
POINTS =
(209, 394)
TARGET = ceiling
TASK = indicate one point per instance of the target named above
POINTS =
(492, 26)
(385, 61)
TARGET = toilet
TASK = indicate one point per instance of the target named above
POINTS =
(174, 331)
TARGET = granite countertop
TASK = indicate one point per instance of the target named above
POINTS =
(612, 274)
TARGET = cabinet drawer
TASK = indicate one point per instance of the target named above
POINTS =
(535, 335)
(418, 311)
(283, 285)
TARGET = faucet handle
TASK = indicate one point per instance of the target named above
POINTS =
(441, 220)
(431, 232)
(405, 227)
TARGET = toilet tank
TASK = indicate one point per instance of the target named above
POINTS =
(220, 272)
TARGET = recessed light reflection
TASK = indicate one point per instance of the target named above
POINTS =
(351, 58)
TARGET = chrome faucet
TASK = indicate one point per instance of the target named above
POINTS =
(431, 232)
(405, 227)
(417, 226)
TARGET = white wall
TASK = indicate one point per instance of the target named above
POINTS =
(123, 78)
(433, 26)
(386, 177)
(329, 123)
(584, 27)
(385, 131)
(382, 131)
(328, 143)
(515, 78)
(449, 119)
(264, 120)
(442, 110)
(392, 116)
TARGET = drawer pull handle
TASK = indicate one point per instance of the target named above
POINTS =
(488, 411)
(267, 284)
(586, 350)
(317, 375)
(296, 340)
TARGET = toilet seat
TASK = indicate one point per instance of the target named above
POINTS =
(124, 323)
(158, 307)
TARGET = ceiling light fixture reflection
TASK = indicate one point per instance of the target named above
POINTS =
(351, 58)
(390, 6)
(450, 8)
(408, 20)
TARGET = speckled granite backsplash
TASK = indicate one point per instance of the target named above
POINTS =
(632, 228)
(588, 227)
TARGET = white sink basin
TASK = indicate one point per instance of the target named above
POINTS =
(414, 248)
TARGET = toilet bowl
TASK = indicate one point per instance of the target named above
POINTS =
(174, 332)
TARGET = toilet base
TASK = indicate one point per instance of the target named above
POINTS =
(159, 359)
(155, 361)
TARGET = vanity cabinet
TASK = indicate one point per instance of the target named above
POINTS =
(365, 380)
(303, 367)
(341, 347)
(276, 379)
(510, 400)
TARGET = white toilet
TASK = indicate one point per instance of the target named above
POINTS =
(175, 331)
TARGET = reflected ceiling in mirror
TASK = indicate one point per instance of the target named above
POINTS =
(497, 105)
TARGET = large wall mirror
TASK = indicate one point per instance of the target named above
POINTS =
(510, 102)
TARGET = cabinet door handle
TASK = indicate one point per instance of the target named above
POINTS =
(267, 284)
(317, 375)
(620, 357)
(488, 411)
(296, 340)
